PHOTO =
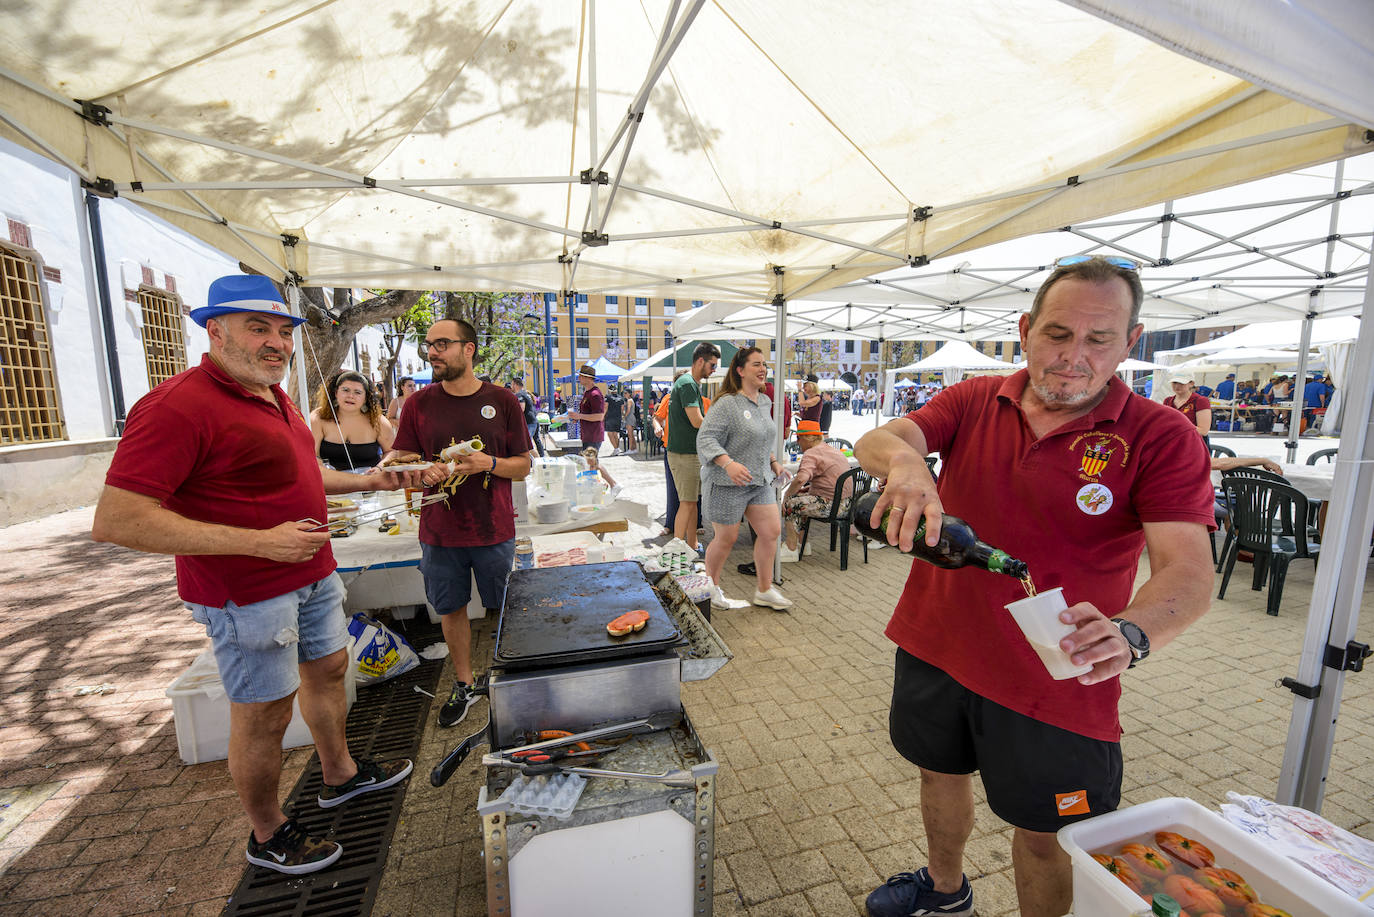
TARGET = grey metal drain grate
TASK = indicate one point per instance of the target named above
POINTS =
(387, 721)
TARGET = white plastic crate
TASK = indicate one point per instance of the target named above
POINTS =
(201, 711)
(1278, 880)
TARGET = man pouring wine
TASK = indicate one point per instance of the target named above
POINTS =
(1063, 467)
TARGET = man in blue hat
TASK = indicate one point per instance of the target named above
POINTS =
(217, 466)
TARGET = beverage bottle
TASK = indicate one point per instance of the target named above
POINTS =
(958, 546)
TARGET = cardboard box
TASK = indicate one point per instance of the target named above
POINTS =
(1278, 880)
(201, 711)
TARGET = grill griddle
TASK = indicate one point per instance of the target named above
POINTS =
(558, 616)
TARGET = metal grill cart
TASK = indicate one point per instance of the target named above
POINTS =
(628, 817)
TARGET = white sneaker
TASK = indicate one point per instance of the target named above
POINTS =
(772, 599)
(787, 555)
(720, 602)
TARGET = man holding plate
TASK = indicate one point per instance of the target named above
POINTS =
(217, 466)
(476, 433)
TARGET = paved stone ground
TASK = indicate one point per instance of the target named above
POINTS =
(813, 810)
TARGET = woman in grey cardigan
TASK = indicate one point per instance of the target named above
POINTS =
(738, 468)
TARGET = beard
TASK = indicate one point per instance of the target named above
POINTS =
(1060, 397)
(447, 372)
(250, 365)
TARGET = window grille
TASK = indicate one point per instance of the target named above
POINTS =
(30, 411)
(164, 338)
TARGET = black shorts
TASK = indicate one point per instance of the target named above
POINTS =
(1037, 776)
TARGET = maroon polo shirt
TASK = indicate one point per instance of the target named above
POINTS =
(1070, 504)
(481, 510)
(207, 449)
(593, 402)
(1190, 407)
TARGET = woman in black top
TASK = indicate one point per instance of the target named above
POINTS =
(350, 432)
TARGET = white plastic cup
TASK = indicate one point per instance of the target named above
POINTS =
(1038, 617)
(615, 552)
(594, 553)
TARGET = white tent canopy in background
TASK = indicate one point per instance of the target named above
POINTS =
(381, 144)
(956, 356)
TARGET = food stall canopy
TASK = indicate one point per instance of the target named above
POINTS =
(606, 371)
(956, 355)
(520, 145)
(668, 362)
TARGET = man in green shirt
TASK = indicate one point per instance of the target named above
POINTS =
(684, 417)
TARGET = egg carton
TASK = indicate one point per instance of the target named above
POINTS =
(553, 795)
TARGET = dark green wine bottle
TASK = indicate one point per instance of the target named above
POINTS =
(958, 546)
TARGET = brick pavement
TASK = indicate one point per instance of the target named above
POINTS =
(813, 807)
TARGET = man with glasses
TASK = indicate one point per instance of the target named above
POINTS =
(1063, 467)
(471, 535)
(684, 418)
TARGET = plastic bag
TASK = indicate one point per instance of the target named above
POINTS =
(378, 651)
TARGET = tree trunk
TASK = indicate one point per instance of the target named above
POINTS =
(327, 338)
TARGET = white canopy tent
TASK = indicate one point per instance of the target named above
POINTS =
(953, 359)
(681, 149)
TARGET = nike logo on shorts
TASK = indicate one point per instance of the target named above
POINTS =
(1072, 803)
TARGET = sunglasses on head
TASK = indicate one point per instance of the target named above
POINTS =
(1126, 264)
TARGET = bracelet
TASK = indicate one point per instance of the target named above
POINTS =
(493, 463)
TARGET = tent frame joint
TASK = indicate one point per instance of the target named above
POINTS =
(593, 239)
(94, 112)
(921, 214)
(1309, 692)
(101, 187)
(1349, 658)
(369, 181)
(918, 260)
(289, 240)
(586, 176)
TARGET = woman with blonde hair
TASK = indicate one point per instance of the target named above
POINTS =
(350, 432)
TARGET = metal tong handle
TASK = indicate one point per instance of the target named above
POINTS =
(374, 514)
(670, 778)
(651, 723)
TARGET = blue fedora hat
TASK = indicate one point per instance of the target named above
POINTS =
(242, 293)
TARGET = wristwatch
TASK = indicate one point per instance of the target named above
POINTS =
(1135, 639)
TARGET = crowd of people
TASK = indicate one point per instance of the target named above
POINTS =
(218, 466)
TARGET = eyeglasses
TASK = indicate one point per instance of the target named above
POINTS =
(1126, 264)
(438, 345)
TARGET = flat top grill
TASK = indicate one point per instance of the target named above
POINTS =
(558, 616)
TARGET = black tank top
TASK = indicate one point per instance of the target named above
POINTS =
(353, 455)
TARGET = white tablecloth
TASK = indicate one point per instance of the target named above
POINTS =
(1314, 481)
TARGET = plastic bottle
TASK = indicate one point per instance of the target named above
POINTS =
(958, 546)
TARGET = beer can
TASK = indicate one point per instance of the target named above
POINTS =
(524, 553)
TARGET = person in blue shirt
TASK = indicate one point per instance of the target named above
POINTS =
(1314, 396)
(1226, 390)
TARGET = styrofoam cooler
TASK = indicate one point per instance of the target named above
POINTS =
(1278, 880)
(201, 711)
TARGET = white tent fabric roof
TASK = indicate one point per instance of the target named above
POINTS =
(956, 355)
(382, 144)
(1275, 335)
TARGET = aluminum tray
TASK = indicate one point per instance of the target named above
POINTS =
(704, 653)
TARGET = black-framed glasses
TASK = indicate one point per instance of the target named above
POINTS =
(438, 345)
(1126, 264)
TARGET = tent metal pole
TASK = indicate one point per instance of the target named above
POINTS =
(1295, 409)
(1328, 650)
(779, 394)
(548, 353)
(107, 325)
(338, 184)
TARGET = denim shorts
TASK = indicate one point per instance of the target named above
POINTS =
(258, 647)
(449, 573)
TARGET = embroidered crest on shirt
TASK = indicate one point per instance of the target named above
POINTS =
(1096, 451)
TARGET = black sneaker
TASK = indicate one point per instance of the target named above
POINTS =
(456, 707)
(292, 851)
(371, 775)
(912, 894)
